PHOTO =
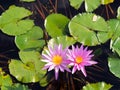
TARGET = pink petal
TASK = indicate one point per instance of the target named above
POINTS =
(70, 57)
(48, 53)
(61, 69)
(45, 67)
(83, 71)
(73, 52)
(45, 60)
(67, 69)
(81, 48)
(50, 50)
(46, 56)
(49, 64)
(74, 69)
(89, 63)
(59, 49)
(51, 67)
(56, 72)
(71, 64)
(78, 67)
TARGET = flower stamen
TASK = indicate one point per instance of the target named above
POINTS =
(79, 59)
(57, 59)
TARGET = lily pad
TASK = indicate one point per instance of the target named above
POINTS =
(17, 28)
(56, 25)
(115, 45)
(29, 68)
(12, 23)
(76, 3)
(114, 65)
(114, 25)
(15, 87)
(44, 82)
(118, 12)
(97, 86)
(104, 2)
(7, 84)
(64, 40)
(5, 79)
(27, 0)
(31, 39)
(86, 28)
(91, 5)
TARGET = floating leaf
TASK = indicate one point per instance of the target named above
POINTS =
(7, 84)
(91, 5)
(12, 23)
(27, 0)
(64, 40)
(29, 69)
(115, 45)
(106, 35)
(118, 13)
(83, 28)
(15, 87)
(56, 25)
(104, 2)
(5, 79)
(76, 3)
(14, 13)
(44, 82)
(114, 26)
(97, 86)
(114, 65)
(31, 56)
(17, 28)
(32, 39)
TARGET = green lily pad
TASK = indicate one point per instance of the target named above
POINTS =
(31, 39)
(5, 79)
(29, 69)
(114, 25)
(64, 40)
(15, 87)
(83, 28)
(44, 82)
(12, 23)
(7, 84)
(104, 36)
(91, 5)
(76, 3)
(104, 2)
(97, 86)
(56, 25)
(17, 28)
(115, 45)
(114, 65)
(118, 12)
(27, 0)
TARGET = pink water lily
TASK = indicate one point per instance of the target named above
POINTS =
(79, 58)
(56, 59)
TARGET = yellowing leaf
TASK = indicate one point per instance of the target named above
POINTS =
(104, 2)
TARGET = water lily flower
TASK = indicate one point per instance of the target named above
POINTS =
(79, 58)
(56, 59)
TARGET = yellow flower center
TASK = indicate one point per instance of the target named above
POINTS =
(57, 59)
(79, 59)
